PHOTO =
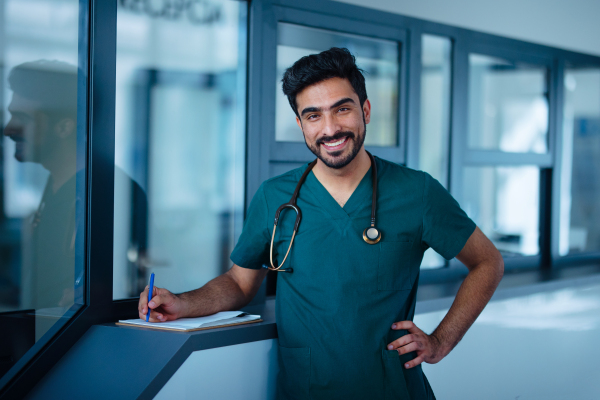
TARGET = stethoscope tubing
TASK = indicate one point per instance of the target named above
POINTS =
(292, 204)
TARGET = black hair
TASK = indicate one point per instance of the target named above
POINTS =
(53, 84)
(333, 63)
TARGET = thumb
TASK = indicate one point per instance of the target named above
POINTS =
(157, 297)
(160, 297)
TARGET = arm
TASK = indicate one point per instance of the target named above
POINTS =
(230, 291)
(486, 268)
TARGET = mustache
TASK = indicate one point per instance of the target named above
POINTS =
(14, 133)
(16, 137)
(335, 137)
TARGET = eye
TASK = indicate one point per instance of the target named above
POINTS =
(311, 116)
(21, 117)
(343, 109)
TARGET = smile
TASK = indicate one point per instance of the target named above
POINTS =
(336, 143)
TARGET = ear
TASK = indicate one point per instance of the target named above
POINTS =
(367, 111)
(299, 123)
(64, 128)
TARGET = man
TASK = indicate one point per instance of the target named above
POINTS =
(344, 314)
(43, 125)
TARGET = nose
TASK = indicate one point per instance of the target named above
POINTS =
(331, 125)
(12, 129)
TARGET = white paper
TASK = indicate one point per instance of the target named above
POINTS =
(221, 318)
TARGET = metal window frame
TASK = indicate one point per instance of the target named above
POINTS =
(99, 30)
(101, 57)
(271, 156)
(496, 158)
(476, 157)
(297, 152)
(464, 42)
(569, 60)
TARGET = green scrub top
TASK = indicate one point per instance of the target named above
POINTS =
(335, 311)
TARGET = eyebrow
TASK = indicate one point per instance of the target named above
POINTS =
(14, 112)
(336, 104)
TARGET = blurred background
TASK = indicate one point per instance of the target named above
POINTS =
(500, 102)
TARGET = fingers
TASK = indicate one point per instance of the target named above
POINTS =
(414, 362)
(143, 303)
(407, 325)
(426, 346)
(161, 300)
(154, 316)
(403, 341)
(414, 346)
(159, 296)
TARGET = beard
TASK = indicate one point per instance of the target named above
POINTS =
(335, 159)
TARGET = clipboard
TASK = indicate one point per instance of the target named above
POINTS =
(164, 328)
(218, 320)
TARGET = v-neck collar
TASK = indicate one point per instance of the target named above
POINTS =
(363, 192)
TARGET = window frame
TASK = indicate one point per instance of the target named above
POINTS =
(499, 157)
(98, 32)
(567, 60)
(274, 157)
(466, 157)
(464, 42)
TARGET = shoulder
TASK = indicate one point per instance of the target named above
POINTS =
(396, 174)
(284, 181)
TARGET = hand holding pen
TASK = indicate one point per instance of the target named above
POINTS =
(158, 305)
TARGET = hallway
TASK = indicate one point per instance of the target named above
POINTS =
(538, 346)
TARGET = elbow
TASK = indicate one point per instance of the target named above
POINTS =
(237, 291)
(499, 267)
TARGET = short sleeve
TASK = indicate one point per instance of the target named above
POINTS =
(252, 249)
(446, 227)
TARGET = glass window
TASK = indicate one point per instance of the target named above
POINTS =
(580, 175)
(504, 203)
(180, 129)
(434, 142)
(377, 58)
(42, 175)
(508, 106)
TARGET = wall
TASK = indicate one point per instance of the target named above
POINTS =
(244, 371)
(571, 25)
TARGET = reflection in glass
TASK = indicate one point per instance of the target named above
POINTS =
(377, 58)
(42, 175)
(435, 118)
(504, 203)
(508, 106)
(580, 175)
(179, 177)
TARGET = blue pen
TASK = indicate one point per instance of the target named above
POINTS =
(150, 295)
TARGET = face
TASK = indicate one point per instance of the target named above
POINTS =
(333, 121)
(35, 137)
(26, 128)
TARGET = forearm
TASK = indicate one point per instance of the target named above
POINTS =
(486, 268)
(472, 297)
(220, 294)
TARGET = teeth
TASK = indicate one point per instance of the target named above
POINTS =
(335, 143)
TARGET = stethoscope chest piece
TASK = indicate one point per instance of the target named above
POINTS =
(372, 235)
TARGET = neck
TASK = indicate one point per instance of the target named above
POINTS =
(346, 178)
(61, 171)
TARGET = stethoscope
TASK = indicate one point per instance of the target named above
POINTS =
(371, 234)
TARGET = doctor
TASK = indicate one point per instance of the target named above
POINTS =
(344, 315)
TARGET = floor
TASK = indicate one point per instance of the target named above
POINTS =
(542, 345)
